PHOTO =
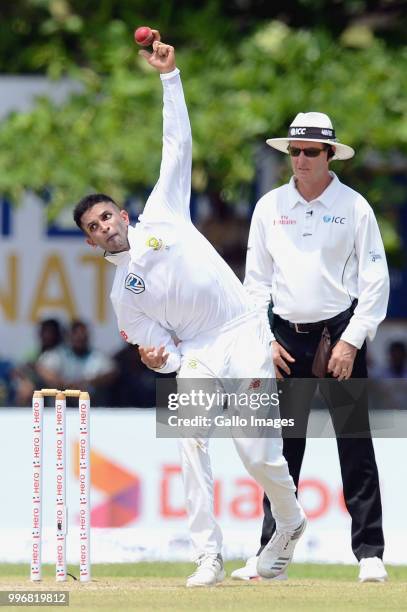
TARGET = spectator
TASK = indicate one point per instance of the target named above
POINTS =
(135, 384)
(26, 377)
(396, 366)
(390, 389)
(50, 334)
(6, 383)
(78, 366)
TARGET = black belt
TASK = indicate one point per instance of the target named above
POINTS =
(306, 328)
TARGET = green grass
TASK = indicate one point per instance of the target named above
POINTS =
(161, 586)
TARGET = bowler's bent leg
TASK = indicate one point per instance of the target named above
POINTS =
(264, 460)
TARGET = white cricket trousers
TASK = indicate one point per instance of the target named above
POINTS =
(229, 359)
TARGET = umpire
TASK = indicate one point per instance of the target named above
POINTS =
(315, 249)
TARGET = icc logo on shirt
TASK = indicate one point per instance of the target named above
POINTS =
(329, 219)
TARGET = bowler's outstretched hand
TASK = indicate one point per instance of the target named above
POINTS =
(163, 56)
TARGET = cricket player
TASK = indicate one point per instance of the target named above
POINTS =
(170, 282)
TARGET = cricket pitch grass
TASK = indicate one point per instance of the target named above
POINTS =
(161, 586)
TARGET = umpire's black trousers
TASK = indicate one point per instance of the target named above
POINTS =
(356, 454)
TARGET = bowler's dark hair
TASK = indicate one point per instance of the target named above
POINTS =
(87, 202)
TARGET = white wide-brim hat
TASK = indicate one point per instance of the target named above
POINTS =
(312, 127)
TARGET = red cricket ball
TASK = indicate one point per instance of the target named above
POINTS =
(144, 36)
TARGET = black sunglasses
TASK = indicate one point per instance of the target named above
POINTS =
(311, 152)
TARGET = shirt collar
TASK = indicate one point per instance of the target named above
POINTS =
(327, 197)
(124, 256)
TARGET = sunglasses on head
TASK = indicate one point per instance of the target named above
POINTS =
(310, 152)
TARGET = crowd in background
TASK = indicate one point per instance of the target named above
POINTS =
(65, 358)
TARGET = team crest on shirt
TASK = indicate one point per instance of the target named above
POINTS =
(134, 283)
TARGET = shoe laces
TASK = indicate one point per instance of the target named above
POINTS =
(206, 561)
(284, 538)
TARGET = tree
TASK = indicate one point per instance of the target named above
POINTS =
(51, 35)
(107, 138)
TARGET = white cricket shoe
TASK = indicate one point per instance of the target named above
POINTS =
(209, 571)
(278, 553)
(249, 572)
(372, 570)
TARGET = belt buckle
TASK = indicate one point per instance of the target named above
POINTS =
(298, 330)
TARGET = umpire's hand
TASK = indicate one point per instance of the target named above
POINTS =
(341, 361)
(280, 359)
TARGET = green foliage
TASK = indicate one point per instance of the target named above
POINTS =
(38, 35)
(108, 137)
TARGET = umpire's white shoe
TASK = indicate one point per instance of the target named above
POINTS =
(372, 570)
(278, 553)
(209, 571)
(249, 572)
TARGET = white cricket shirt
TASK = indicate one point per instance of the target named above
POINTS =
(172, 279)
(313, 258)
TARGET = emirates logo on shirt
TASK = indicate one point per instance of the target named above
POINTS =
(284, 220)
